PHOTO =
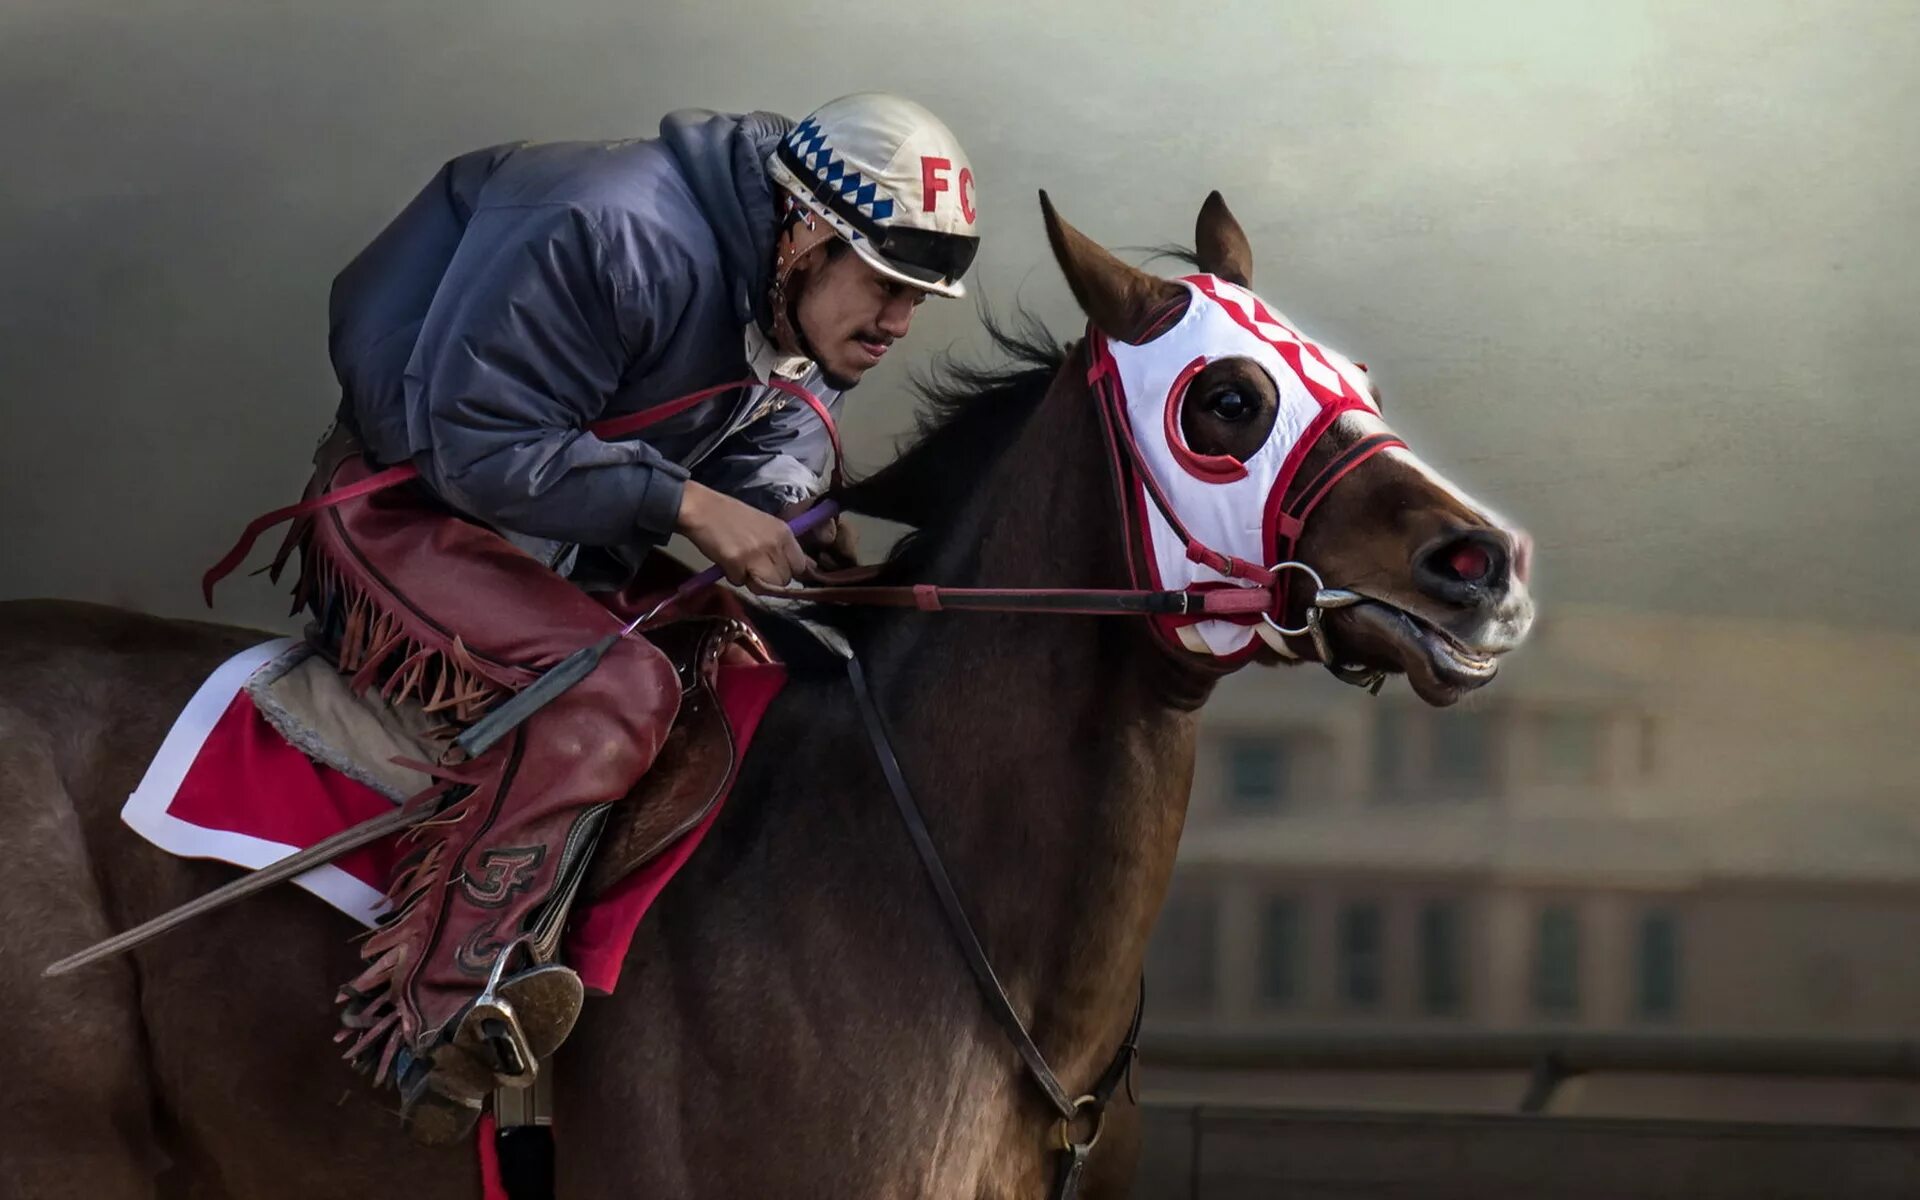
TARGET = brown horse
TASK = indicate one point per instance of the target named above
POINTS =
(795, 1019)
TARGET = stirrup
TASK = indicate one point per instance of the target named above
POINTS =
(498, 1042)
(517, 1021)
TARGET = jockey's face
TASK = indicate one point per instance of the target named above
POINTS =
(849, 314)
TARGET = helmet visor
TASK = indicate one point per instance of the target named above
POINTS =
(924, 254)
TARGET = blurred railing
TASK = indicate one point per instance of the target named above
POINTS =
(1221, 1152)
(1549, 1058)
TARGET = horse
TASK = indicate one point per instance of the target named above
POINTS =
(795, 1018)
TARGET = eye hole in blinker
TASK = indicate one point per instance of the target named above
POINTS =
(1208, 468)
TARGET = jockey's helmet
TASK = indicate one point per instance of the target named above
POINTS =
(890, 178)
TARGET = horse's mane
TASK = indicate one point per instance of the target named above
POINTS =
(967, 413)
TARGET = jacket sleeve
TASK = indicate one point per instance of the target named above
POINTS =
(528, 336)
(779, 460)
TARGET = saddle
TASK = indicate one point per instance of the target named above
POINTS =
(382, 742)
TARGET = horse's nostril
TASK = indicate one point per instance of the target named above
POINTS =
(1469, 563)
(1465, 568)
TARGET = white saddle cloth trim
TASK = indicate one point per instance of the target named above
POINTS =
(145, 811)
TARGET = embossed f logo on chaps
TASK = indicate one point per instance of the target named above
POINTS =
(501, 874)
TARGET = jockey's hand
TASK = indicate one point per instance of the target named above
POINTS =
(749, 545)
(834, 544)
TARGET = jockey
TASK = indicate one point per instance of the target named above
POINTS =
(529, 290)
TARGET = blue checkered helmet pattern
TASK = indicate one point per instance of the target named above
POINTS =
(809, 142)
(890, 178)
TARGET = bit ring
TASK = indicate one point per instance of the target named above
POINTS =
(1313, 612)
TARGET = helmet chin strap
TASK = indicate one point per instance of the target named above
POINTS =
(797, 253)
(783, 299)
(789, 335)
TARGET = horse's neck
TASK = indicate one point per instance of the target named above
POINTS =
(1048, 753)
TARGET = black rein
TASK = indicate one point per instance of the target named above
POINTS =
(1092, 1105)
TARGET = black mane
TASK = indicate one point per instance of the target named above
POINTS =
(967, 413)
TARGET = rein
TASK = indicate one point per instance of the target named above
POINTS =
(1087, 602)
(1265, 598)
(1093, 1104)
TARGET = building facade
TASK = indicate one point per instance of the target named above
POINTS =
(1648, 823)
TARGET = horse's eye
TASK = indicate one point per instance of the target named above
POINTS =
(1230, 404)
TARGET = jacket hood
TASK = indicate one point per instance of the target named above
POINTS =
(724, 158)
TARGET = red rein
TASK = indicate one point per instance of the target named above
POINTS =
(1217, 601)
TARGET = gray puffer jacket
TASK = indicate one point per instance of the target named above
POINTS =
(533, 288)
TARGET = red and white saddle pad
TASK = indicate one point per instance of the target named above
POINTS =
(226, 785)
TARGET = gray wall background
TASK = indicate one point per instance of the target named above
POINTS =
(1642, 275)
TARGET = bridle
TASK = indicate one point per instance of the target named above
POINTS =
(1261, 597)
(1294, 500)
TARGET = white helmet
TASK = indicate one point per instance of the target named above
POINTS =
(892, 180)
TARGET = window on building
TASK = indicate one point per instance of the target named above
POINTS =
(1570, 747)
(1391, 729)
(1462, 752)
(1362, 963)
(1282, 952)
(1441, 968)
(1657, 966)
(1182, 954)
(1556, 962)
(1256, 775)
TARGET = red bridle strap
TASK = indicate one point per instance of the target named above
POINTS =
(1291, 522)
(1101, 376)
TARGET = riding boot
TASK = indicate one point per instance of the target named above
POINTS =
(462, 990)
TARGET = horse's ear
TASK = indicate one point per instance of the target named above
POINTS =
(1122, 301)
(1220, 244)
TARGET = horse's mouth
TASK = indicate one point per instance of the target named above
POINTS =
(1437, 666)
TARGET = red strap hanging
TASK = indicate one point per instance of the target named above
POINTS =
(612, 427)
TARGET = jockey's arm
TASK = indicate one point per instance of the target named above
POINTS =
(779, 465)
(530, 333)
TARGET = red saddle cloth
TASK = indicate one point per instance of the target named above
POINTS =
(226, 785)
